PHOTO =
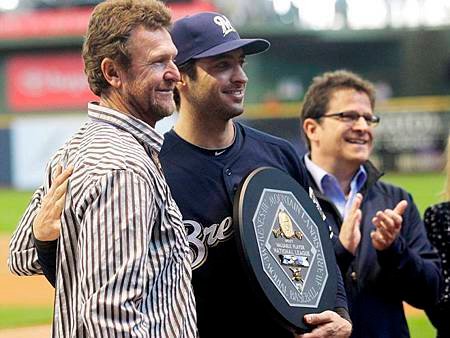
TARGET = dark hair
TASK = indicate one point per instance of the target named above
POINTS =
(317, 98)
(189, 69)
(109, 28)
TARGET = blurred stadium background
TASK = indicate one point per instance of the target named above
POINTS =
(403, 46)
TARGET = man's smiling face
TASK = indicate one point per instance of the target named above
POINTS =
(348, 143)
(219, 87)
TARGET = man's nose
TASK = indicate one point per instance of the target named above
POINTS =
(361, 123)
(239, 75)
(172, 73)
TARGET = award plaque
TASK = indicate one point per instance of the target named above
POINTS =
(285, 246)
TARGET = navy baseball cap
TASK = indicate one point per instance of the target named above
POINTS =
(209, 34)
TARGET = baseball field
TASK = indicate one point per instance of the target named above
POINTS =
(26, 302)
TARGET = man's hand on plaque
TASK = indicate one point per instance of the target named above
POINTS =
(388, 224)
(47, 224)
(327, 324)
(350, 233)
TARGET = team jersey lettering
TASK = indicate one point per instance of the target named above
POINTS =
(201, 238)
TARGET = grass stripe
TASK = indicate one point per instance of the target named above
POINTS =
(11, 317)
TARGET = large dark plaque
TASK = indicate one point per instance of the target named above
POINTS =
(285, 245)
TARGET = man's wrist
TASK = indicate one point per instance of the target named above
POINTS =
(43, 244)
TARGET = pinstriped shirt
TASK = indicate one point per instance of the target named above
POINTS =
(123, 265)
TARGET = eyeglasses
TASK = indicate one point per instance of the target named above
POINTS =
(353, 116)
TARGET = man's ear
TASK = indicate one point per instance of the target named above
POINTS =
(183, 83)
(310, 127)
(111, 72)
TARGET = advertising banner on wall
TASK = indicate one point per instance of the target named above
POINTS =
(412, 141)
(71, 21)
(33, 142)
(46, 82)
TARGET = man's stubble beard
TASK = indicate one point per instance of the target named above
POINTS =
(216, 107)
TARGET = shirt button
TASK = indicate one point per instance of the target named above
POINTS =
(353, 276)
(228, 172)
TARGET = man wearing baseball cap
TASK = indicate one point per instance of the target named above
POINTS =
(204, 158)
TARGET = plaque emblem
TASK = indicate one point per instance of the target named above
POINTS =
(290, 248)
(286, 228)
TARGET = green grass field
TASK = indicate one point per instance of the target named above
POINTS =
(11, 317)
(425, 189)
(12, 205)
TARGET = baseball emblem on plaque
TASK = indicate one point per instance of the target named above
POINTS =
(285, 245)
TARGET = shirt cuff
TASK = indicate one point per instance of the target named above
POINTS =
(343, 313)
(393, 256)
(46, 252)
(44, 246)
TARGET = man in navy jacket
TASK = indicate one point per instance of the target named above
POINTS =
(380, 241)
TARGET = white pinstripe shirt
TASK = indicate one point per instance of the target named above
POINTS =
(123, 266)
